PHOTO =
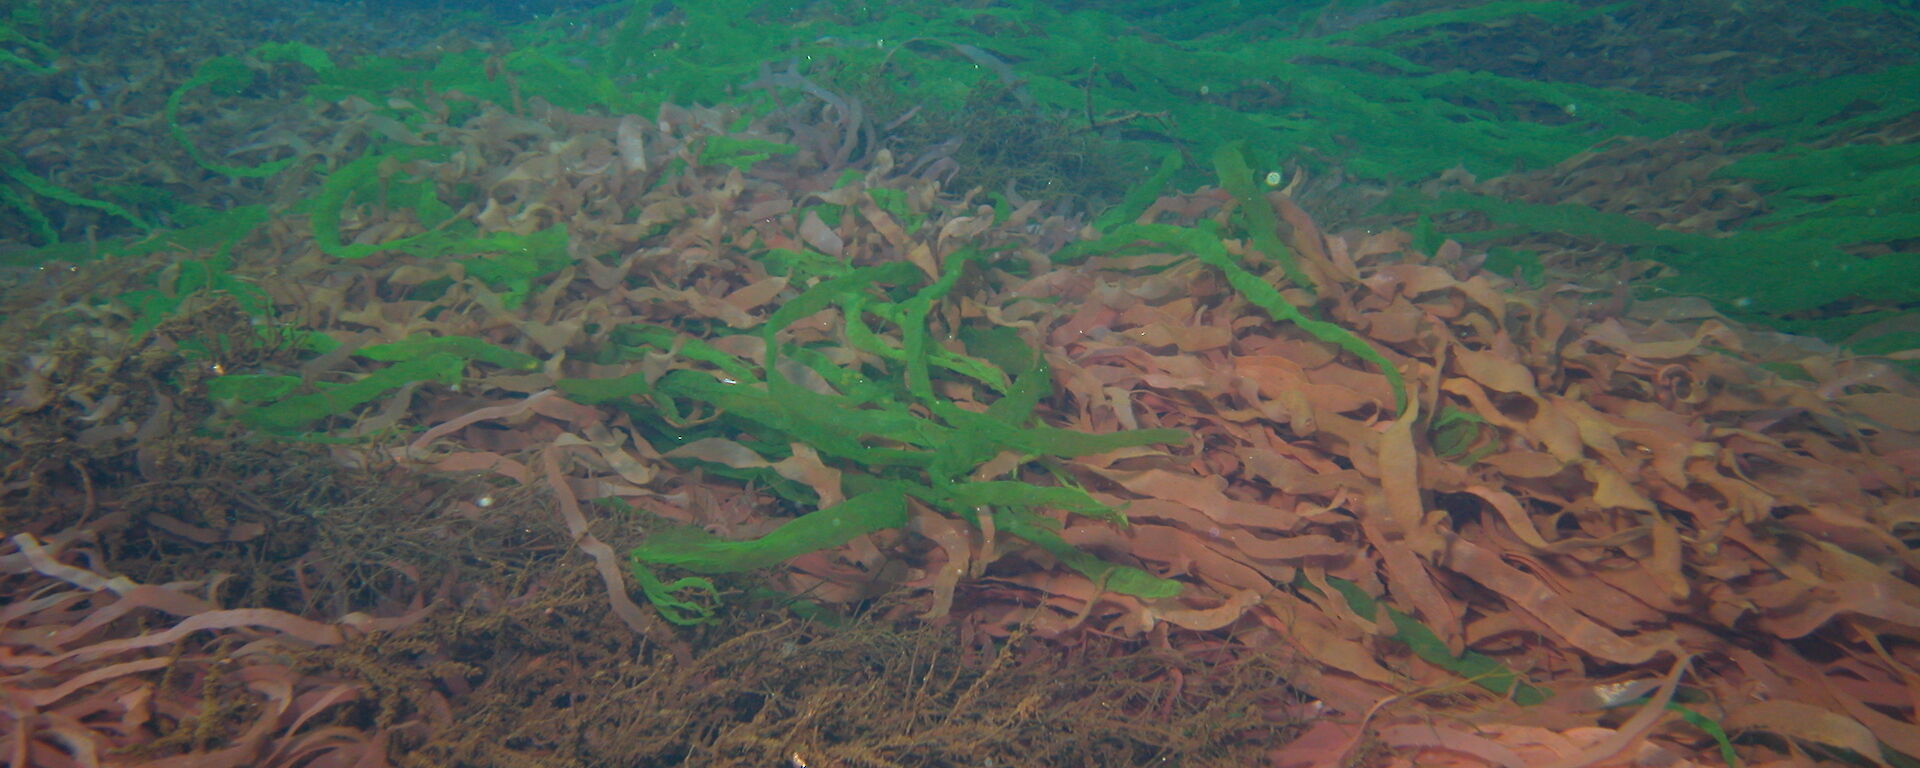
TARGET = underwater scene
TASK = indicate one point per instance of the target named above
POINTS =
(971, 383)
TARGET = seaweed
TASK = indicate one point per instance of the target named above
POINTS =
(915, 403)
(1477, 668)
(34, 183)
(741, 153)
(915, 456)
(11, 37)
(228, 75)
(463, 346)
(1207, 247)
(298, 413)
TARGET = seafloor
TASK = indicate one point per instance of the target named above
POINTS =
(959, 384)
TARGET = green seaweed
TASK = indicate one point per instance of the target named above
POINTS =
(36, 221)
(506, 262)
(252, 388)
(195, 230)
(612, 390)
(1523, 266)
(1757, 270)
(696, 550)
(1230, 161)
(38, 185)
(212, 275)
(10, 36)
(1480, 14)
(228, 75)
(299, 412)
(1353, 98)
(741, 151)
(1711, 728)
(1425, 238)
(1454, 434)
(1208, 248)
(1142, 195)
(888, 431)
(1477, 668)
(516, 261)
(636, 340)
(362, 177)
(665, 596)
(1125, 580)
(467, 347)
(300, 53)
(1255, 79)
(441, 359)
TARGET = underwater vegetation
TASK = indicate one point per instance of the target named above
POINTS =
(1749, 172)
(1239, 383)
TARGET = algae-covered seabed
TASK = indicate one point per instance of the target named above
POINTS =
(967, 383)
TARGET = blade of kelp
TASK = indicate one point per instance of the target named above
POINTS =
(1141, 195)
(252, 388)
(787, 262)
(55, 192)
(1230, 161)
(1763, 267)
(665, 596)
(420, 345)
(1800, 112)
(895, 203)
(568, 85)
(660, 416)
(300, 411)
(1034, 381)
(839, 423)
(633, 338)
(1426, 238)
(324, 210)
(195, 230)
(1477, 668)
(230, 74)
(172, 287)
(826, 292)
(1207, 247)
(519, 258)
(1400, 25)
(1707, 725)
(913, 323)
(1003, 347)
(1453, 434)
(1053, 441)
(740, 151)
(512, 261)
(833, 426)
(1010, 493)
(857, 387)
(38, 222)
(696, 550)
(419, 358)
(860, 336)
(976, 436)
(214, 274)
(1123, 579)
(979, 436)
(596, 391)
(13, 37)
(863, 338)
